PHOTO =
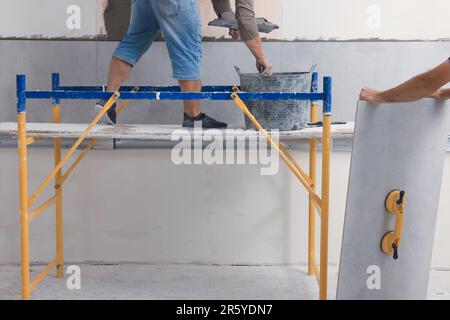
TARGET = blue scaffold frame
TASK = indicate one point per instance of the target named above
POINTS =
(318, 204)
(171, 93)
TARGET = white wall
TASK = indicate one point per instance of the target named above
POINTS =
(351, 19)
(366, 19)
(298, 19)
(135, 205)
(51, 18)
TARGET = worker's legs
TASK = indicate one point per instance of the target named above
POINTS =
(180, 23)
(181, 27)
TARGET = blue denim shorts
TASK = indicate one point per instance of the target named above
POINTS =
(180, 23)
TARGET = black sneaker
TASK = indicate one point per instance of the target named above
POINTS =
(205, 121)
(110, 116)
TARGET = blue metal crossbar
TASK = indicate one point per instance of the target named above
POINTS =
(92, 95)
(167, 93)
(146, 88)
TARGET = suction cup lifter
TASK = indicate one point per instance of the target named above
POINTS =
(394, 204)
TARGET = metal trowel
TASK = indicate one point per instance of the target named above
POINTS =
(264, 25)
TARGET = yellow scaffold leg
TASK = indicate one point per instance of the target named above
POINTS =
(316, 203)
(23, 191)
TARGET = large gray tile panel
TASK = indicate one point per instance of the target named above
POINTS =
(396, 146)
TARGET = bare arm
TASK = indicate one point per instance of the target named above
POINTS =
(422, 86)
(263, 65)
(245, 14)
(248, 30)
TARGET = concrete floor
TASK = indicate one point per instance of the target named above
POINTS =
(136, 281)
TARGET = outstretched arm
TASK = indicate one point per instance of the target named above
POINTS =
(422, 86)
(245, 14)
(248, 30)
(263, 65)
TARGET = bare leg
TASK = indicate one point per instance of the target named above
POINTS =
(191, 107)
(118, 73)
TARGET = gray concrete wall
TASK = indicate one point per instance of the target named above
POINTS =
(352, 65)
(135, 205)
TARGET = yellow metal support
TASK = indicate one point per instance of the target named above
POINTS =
(316, 270)
(77, 161)
(36, 213)
(274, 145)
(316, 203)
(26, 201)
(58, 195)
(91, 144)
(58, 167)
(321, 204)
(297, 166)
(23, 194)
(326, 150)
(318, 211)
(43, 274)
(312, 216)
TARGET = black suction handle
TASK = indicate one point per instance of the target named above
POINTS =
(400, 199)
(395, 247)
